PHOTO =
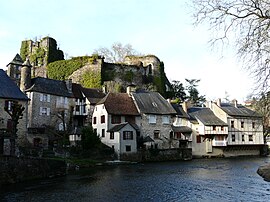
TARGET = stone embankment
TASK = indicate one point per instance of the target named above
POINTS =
(264, 171)
(13, 169)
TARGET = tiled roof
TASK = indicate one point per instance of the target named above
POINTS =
(49, 86)
(206, 116)
(119, 104)
(180, 111)
(8, 89)
(240, 110)
(17, 60)
(153, 103)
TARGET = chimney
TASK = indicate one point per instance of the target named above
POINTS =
(184, 105)
(69, 85)
(235, 103)
(131, 89)
(219, 102)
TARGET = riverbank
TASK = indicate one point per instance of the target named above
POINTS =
(20, 169)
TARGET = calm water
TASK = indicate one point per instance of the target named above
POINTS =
(196, 180)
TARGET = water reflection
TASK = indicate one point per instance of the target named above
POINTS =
(196, 180)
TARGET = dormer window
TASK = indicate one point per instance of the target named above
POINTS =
(154, 104)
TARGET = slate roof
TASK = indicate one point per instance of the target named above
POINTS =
(182, 129)
(121, 125)
(119, 104)
(8, 89)
(240, 110)
(152, 103)
(49, 86)
(17, 60)
(92, 94)
(206, 116)
(180, 111)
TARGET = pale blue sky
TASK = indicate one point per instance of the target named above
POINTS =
(162, 28)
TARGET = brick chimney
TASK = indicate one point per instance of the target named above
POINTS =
(69, 85)
(235, 103)
(219, 102)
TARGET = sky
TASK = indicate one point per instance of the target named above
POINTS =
(157, 27)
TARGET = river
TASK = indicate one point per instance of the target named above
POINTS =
(197, 180)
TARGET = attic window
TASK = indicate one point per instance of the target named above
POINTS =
(154, 104)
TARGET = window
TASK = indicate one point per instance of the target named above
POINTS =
(102, 119)
(243, 138)
(44, 111)
(242, 124)
(95, 120)
(232, 124)
(253, 125)
(9, 104)
(152, 118)
(84, 108)
(233, 138)
(165, 119)
(111, 135)
(156, 134)
(250, 138)
(44, 97)
(222, 128)
(103, 133)
(128, 148)
(116, 119)
(77, 108)
(198, 139)
(128, 135)
(214, 128)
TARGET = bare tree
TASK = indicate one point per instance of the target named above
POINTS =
(116, 53)
(244, 22)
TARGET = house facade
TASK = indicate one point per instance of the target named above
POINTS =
(10, 94)
(245, 128)
(156, 119)
(115, 120)
(209, 136)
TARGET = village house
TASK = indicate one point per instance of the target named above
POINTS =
(181, 128)
(156, 119)
(245, 128)
(85, 101)
(210, 133)
(115, 120)
(10, 94)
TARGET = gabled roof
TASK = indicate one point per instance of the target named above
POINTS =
(8, 89)
(240, 110)
(49, 86)
(17, 60)
(206, 116)
(119, 104)
(180, 111)
(152, 103)
(122, 125)
(92, 94)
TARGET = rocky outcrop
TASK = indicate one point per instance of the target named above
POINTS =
(264, 171)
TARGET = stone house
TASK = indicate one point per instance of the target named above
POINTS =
(209, 133)
(9, 94)
(156, 119)
(115, 120)
(245, 128)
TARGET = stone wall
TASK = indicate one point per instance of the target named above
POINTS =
(159, 155)
(13, 169)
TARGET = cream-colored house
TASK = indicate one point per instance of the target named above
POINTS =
(245, 128)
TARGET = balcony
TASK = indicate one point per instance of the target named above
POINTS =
(219, 143)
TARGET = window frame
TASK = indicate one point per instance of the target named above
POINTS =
(128, 135)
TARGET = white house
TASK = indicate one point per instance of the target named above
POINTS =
(114, 120)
